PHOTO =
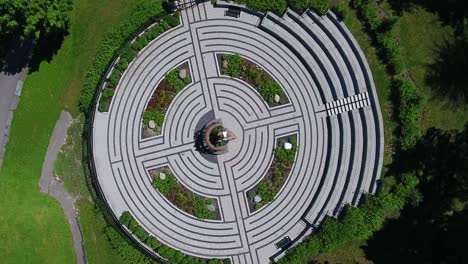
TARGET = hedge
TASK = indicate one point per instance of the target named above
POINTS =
(144, 14)
(354, 224)
(280, 6)
(168, 253)
(130, 52)
(409, 101)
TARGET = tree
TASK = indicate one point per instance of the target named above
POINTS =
(34, 19)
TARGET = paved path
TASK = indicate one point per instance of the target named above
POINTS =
(49, 184)
(11, 79)
(333, 110)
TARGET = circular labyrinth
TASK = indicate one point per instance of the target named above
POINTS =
(332, 109)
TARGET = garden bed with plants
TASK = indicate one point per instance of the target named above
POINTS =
(168, 88)
(129, 53)
(166, 183)
(276, 176)
(237, 67)
(166, 252)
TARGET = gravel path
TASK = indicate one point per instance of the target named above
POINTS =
(49, 184)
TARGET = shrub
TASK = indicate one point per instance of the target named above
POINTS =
(125, 218)
(285, 156)
(174, 80)
(146, 12)
(132, 224)
(154, 115)
(140, 233)
(234, 62)
(319, 6)
(105, 100)
(269, 89)
(200, 208)
(277, 6)
(172, 20)
(166, 185)
(152, 242)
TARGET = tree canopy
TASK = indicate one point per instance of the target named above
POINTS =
(33, 18)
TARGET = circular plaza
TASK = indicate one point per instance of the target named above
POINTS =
(276, 125)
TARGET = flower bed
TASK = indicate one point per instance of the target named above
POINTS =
(182, 197)
(280, 168)
(129, 53)
(238, 67)
(162, 98)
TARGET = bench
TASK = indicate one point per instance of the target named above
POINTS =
(232, 12)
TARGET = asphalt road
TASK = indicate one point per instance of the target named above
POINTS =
(13, 70)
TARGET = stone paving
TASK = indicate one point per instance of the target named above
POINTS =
(333, 110)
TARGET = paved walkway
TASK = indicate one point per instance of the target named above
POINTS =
(11, 81)
(333, 110)
(49, 184)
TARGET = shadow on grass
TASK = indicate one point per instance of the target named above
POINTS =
(451, 12)
(433, 228)
(447, 75)
(45, 49)
(17, 53)
(14, 55)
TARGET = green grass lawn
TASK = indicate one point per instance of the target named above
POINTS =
(33, 227)
(421, 32)
(97, 247)
(382, 79)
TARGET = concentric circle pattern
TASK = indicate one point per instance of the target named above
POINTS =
(333, 110)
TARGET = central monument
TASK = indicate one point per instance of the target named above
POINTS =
(216, 137)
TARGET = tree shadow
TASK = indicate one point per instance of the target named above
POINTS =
(14, 55)
(432, 229)
(45, 49)
(451, 12)
(447, 75)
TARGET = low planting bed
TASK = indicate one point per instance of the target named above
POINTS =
(153, 117)
(166, 183)
(237, 67)
(276, 176)
(129, 53)
(168, 253)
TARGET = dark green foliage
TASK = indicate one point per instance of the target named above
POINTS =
(200, 208)
(114, 78)
(409, 100)
(280, 6)
(270, 186)
(34, 19)
(319, 6)
(234, 63)
(125, 218)
(277, 6)
(355, 223)
(267, 87)
(173, 79)
(409, 112)
(172, 20)
(104, 101)
(132, 224)
(181, 197)
(285, 156)
(166, 185)
(152, 242)
(147, 12)
(140, 233)
(154, 115)
(126, 250)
